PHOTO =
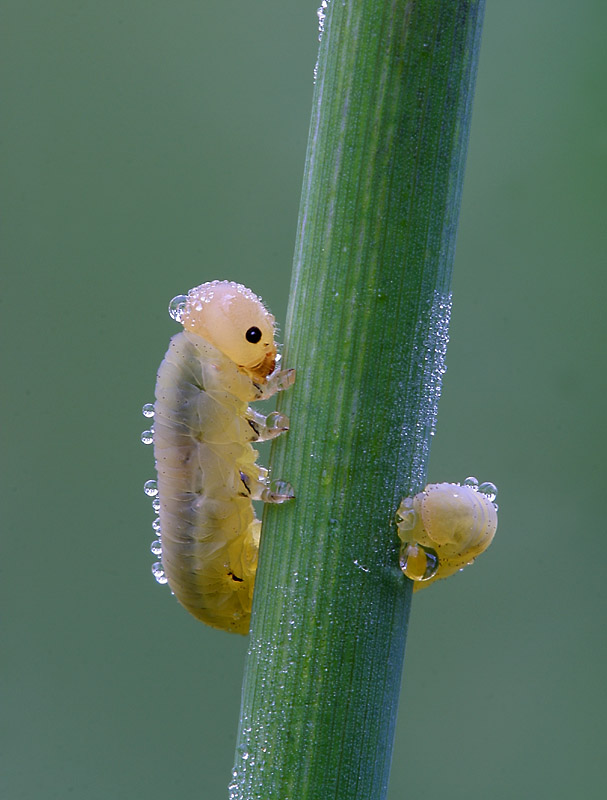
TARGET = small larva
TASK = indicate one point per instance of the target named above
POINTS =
(444, 528)
(208, 534)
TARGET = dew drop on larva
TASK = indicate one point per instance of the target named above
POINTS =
(148, 410)
(417, 562)
(489, 490)
(177, 307)
(150, 488)
(158, 572)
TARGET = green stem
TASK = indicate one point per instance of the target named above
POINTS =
(367, 331)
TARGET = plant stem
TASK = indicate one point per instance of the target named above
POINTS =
(367, 330)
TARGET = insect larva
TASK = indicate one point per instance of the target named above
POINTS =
(208, 534)
(444, 528)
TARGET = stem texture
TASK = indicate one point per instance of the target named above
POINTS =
(367, 330)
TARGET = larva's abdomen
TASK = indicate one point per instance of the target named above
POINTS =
(444, 528)
(202, 440)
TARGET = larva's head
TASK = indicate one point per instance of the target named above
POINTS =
(234, 320)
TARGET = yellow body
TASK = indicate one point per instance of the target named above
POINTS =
(206, 467)
(443, 529)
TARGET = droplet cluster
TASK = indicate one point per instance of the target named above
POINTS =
(427, 367)
(321, 14)
(151, 490)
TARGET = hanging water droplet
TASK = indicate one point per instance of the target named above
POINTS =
(158, 572)
(156, 525)
(417, 562)
(148, 410)
(150, 488)
(156, 547)
(147, 437)
(489, 490)
(177, 307)
(472, 482)
(156, 504)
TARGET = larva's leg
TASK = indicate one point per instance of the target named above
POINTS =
(259, 488)
(278, 492)
(277, 382)
(267, 427)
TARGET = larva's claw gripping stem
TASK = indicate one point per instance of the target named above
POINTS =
(269, 427)
(278, 492)
(277, 382)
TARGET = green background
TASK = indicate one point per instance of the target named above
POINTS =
(151, 146)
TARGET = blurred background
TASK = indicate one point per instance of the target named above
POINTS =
(150, 146)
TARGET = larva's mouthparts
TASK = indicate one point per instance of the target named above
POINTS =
(264, 368)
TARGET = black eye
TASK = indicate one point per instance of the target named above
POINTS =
(253, 335)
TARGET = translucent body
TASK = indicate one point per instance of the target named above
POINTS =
(207, 471)
(443, 529)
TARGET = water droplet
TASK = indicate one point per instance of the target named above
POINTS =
(150, 488)
(472, 482)
(177, 307)
(156, 525)
(147, 437)
(417, 562)
(489, 490)
(148, 410)
(158, 572)
(156, 504)
(156, 547)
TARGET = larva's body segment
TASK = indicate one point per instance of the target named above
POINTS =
(207, 471)
(444, 528)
